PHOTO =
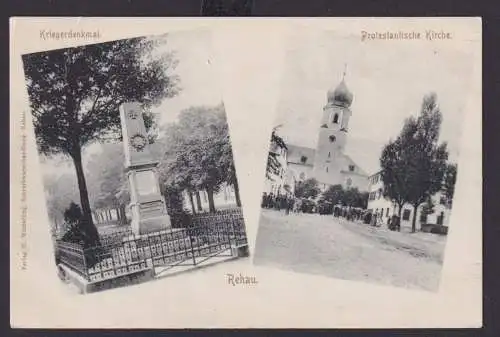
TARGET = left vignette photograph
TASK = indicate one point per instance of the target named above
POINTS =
(136, 159)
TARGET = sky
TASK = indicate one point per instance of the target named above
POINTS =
(388, 83)
(197, 80)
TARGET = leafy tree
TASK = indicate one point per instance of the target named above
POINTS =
(362, 200)
(107, 181)
(175, 206)
(334, 194)
(73, 219)
(199, 155)
(414, 165)
(75, 94)
(450, 179)
(226, 159)
(307, 189)
(73, 213)
(394, 174)
(351, 197)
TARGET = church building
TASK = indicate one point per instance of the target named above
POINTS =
(328, 163)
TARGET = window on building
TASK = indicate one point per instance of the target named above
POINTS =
(387, 212)
(329, 155)
(406, 214)
(303, 159)
(379, 193)
(336, 119)
(351, 168)
(327, 169)
(332, 138)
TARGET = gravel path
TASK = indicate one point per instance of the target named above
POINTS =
(310, 243)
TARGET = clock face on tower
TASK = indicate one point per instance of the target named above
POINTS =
(138, 142)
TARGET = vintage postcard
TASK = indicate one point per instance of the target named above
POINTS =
(143, 176)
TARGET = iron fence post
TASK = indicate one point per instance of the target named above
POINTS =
(191, 245)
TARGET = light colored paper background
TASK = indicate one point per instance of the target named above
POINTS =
(249, 56)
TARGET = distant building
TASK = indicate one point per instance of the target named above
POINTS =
(327, 163)
(380, 205)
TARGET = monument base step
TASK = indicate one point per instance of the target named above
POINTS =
(152, 225)
(84, 286)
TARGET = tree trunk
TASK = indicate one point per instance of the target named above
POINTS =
(211, 203)
(90, 229)
(123, 215)
(237, 192)
(198, 201)
(413, 221)
(191, 201)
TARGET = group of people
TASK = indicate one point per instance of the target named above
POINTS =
(279, 202)
(367, 217)
(289, 203)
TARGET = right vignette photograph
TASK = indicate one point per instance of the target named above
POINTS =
(362, 160)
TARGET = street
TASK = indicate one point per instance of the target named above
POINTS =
(334, 247)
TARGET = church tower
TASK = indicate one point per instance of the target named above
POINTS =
(332, 136)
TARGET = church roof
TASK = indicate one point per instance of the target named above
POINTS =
(340, 95)
(359, 170)
(296, 154)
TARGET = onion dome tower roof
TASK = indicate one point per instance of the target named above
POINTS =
(340, 95)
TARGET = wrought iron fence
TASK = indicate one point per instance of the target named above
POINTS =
(122, 253)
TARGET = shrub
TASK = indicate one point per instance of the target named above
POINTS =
(174, 201)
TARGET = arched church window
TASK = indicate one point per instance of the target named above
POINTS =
(332, 138)
(336, 118)
(327, 169)
(303, 159)
(329, 154)
(351, 168)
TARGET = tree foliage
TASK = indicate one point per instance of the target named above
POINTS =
(198, 152)
(307, 189)
(414, 164)
(450, 178)
(333, 194)
(336, 194)
(75, 94)
(107, 181)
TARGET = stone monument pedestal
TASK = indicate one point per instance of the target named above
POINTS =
(147, 205)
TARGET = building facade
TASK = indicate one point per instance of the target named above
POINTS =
(328, 163)
(379, 205)
(277, 182)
